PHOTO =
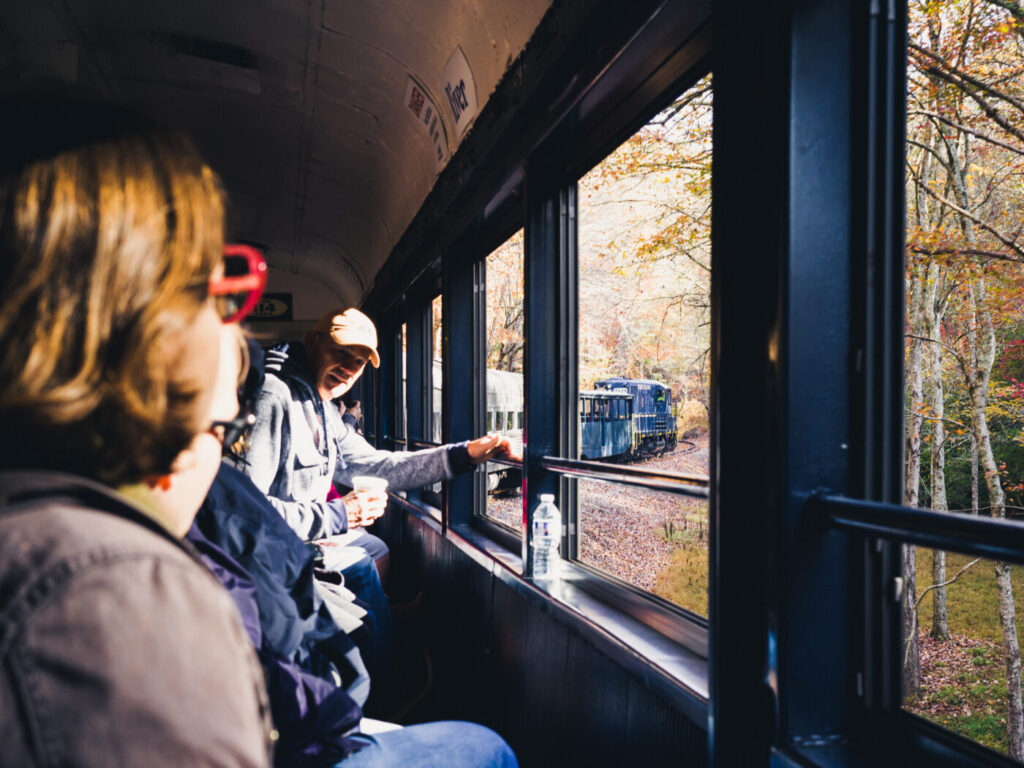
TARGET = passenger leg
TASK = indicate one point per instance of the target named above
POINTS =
(374, 545)
(449, 743)
(377, 550)
(362, 579)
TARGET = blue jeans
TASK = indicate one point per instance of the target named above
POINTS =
(362, 579)
(374, 546)
(448, 743)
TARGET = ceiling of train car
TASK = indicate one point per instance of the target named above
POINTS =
(320, 115)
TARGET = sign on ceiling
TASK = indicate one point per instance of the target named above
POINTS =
(425, 111)
(460, 91)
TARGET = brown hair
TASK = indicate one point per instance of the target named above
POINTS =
(109, 230)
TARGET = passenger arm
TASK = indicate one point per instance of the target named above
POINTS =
(401, 469)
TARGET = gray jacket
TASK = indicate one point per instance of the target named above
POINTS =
(299, 446)
(116, 646)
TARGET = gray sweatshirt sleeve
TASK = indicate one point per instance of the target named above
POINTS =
(269, 461)
(401, 469)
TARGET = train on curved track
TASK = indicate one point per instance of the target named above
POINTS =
(623, 419)
(620, 419)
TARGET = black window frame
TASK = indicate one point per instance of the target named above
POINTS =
(574, 148)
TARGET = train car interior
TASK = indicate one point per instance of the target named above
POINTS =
(525, 188)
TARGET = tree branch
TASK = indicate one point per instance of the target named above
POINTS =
(971, 217)
(958, 74)
(934, 153)
(956, 355)
(991, 112)
(945, 583)
(983, 252)
(965, 129)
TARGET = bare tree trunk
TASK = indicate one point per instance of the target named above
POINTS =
(972, 348)
(1008, 622)
(934, 308)
(915, 385)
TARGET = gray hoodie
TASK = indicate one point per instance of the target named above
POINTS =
(299, 446)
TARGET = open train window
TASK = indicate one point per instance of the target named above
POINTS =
(367, 393)
(504, 378)
(436, 401)
(644, 281)
(401, 425)
(964, 317)
(435, 406)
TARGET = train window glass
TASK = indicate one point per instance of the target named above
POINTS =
(504, 386)
(402, 410)
(368, 391)
(436, 409)
(436, 401)
(644, 253)
(655, 541)
(964, 414)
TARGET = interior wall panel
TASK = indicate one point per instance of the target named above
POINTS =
(503, 658)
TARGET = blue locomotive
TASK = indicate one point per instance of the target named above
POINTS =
(606, 424)
(651, 423)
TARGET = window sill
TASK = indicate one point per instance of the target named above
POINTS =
(674, 671)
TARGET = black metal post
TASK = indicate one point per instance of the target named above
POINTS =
(545, 362)
(460, 372)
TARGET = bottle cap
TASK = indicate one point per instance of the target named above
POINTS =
(547, 497)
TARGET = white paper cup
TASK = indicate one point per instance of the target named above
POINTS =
(366, 487)
(376, 486)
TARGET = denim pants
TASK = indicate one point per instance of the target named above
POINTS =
(446, 744)
(362, 579)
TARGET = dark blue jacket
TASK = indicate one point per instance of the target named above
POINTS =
(237, 518)
(310, 714)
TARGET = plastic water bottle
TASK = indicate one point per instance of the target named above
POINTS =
(547, 535)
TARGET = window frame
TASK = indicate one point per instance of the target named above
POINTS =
(542, 200)
(590, 144)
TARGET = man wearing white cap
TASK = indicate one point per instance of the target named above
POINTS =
(299, 447)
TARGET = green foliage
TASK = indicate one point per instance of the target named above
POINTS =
(964, 689)
(692, 531)
(971, 601)
(1009, 452)
(986, 728)
(685, 581)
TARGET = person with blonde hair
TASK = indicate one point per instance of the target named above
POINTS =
(117, 646)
